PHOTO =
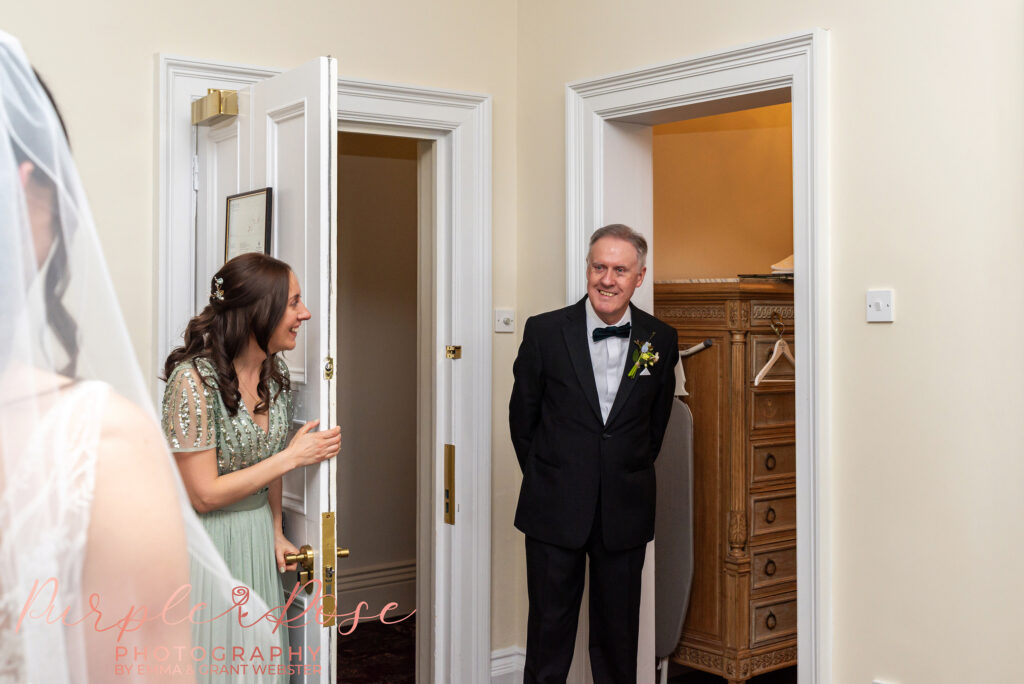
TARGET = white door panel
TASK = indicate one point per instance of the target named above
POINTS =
(453, 589)
(216, 176)
(287, 134)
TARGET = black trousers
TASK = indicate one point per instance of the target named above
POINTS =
(554, 578)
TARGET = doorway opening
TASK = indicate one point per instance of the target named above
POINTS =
(454, 133)
(385, 422)
(722, 271)
(712, 190)
(609, 178)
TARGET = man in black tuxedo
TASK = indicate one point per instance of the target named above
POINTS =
(588, 412)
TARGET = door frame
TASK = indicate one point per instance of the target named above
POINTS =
(800, 63)
(459, 124)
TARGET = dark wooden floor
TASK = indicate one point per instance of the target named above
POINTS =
(376, 653)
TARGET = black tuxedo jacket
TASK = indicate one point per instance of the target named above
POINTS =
(567, 453)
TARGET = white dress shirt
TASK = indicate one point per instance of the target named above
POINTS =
(608, 357)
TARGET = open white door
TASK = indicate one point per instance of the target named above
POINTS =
(284, 138)
(287, 141)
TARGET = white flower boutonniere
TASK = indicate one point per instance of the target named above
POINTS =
(644, 356)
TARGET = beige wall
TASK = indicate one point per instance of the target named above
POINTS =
(926, 170)
(723, 193)
(927, 166)
(100, 60)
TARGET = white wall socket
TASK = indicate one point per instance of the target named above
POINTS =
(880, 306)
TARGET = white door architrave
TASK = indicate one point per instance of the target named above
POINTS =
(598, 117)
(455, 574)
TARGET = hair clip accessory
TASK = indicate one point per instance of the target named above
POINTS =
(217, 291)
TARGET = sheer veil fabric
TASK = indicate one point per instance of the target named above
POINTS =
(101, 555)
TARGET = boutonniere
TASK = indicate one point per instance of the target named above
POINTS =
(644, 356)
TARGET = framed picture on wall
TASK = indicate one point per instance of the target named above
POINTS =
(247, 226)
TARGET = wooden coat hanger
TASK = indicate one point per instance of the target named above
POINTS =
(781, 349)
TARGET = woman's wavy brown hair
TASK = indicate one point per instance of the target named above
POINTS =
(255, 295)
(55, 282)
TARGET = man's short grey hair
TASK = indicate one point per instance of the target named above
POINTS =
(622, 232)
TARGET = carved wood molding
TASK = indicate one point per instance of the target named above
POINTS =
(738, 313)
(763, 312)
(699, 658)
(772, 660)
(739, 668)
(691, 313)
(737, 532)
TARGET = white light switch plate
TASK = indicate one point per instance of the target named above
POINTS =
(880, 307)
(504, 320)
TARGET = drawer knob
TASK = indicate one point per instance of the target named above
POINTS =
(770, 621)
(769, 462)
(769, 515)
(769, 567)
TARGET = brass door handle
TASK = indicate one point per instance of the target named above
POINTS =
(770, 622)
(769, 567)
(769, 516)
(769, 462)
(304, 557)
(305, 560)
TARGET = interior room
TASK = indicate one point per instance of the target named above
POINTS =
(723, 239)
(917, 461)
(379, 350)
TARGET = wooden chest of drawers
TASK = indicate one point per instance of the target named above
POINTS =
(742, 615)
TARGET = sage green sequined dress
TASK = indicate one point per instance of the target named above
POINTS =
(195, 419)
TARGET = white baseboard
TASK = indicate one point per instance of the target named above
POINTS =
(378, 585)
(507, 665)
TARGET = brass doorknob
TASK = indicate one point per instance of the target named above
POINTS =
(304, 557)
(306, 554)
(305, 560)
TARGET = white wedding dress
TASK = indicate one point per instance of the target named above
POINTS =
(44, 514)
(89, 494)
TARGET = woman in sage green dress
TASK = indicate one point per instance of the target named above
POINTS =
(226, 415)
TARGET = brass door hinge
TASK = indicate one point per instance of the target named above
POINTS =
(449, 484)
(329, 368)
(453, 352)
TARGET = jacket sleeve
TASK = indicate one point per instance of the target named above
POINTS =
(527, 393)
(663, 404)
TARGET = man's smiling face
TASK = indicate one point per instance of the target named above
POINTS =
(613, 273)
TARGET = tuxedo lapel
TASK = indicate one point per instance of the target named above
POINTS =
(626, 384)
(575, 332)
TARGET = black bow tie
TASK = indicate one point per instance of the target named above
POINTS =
(612, 331)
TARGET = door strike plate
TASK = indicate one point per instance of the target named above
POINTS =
(329, 559)
(449, 484)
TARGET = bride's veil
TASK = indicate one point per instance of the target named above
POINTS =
(94, 521)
